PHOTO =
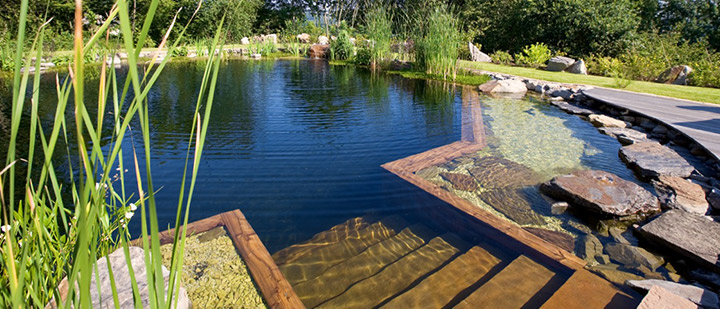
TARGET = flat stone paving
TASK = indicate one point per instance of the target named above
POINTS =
(699, 121)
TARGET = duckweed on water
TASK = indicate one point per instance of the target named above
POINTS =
(214, 274)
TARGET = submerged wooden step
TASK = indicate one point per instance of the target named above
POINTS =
(512, 287)
(441, 287)
(326, 238)
(586, 290)
(319, 259)
(338, 278)
(396, 276)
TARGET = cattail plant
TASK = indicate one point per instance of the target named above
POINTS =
(55, 228)
(437, 41)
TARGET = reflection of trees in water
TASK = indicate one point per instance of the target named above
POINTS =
(436, 101)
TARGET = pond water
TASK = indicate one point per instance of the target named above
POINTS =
(298, 146)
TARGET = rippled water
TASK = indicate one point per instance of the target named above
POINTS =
(297, 145)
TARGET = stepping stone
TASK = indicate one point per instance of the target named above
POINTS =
(659, 298)
(441, 287)
(691, 235)
(586, 290)
(512, 287)
(651, 160)
(678, 193)
(571, 109)
(322, 258)
(601, 192)
(697, 295)
(338, 278)
(396, 276)
(605, 121)
(625, 136)
(326, 238)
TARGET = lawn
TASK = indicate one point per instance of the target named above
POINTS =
(710, 95)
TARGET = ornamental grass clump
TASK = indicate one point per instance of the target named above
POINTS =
(437, 43)
(56, 226)
(342, 48)
(378, 30)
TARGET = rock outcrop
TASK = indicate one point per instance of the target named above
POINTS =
(601, 192)
(476, 55)
(678, 193)
(695, 294)
(559, 64)
(605, 121)
(577, 68)
(691, 235)
(651, 160)
(676, 75)
(510, 86)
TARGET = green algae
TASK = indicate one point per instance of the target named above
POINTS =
(214, 274)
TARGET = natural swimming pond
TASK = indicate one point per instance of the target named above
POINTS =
(298, 147)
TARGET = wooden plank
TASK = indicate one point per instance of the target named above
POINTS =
(514, 231)
(275, 288)
(512, 287)
(434, 156)
(595, 291)
(473, 128)
(193, 228)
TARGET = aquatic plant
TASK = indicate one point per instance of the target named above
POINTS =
(55, 228)
(378, 30)
(437, 42)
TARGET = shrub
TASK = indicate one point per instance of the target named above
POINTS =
(364, 56)
(604, 66)
(502, 57)
(342, 48)
(534, 55)
(706, 73)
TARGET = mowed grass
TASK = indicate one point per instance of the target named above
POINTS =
(701, 94)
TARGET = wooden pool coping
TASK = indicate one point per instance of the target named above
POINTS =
(275, 289)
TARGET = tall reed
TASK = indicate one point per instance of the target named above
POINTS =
(47, 235)
(379, 32)
(437, 41)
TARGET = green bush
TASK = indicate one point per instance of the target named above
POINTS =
(364, 56)
(534, 55)
(706, 73)
(502, 57)
(342, 48)
(604, 66)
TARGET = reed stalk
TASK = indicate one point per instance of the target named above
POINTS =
(55, 228)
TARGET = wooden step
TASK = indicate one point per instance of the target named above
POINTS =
(326, 238)
(586, 290)
(512, 287)
(396, 276)
(441, 287)
(338, 278)
(319, 259)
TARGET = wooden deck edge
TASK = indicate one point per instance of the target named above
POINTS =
(516, 232)
(275, 289)
(663, 122)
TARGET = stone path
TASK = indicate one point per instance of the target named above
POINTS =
(699, 121)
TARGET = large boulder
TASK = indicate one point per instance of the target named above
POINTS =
(559, 63)
(577, 68)
(676, 75)
(245, 41)
(651, 160)
(303, 38)
(605, 121)
(323, 40)
(678, 193)
(601, 192)
(476, 55)
(510, 86)
(695, 294)
(123, 283)
(691, 235)
(318, 51)
(271, 38)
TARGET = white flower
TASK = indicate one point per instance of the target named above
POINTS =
(133, 207)
(5, 228)
(129, 215)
